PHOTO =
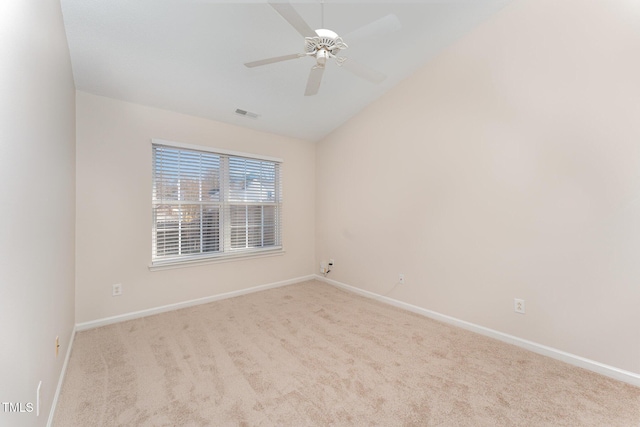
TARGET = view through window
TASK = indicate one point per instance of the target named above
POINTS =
(208, 204)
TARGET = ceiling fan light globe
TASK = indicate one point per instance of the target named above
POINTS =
(321, 57)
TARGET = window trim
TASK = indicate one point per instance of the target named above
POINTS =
(214, 150)
(216, 259)
(225, 256)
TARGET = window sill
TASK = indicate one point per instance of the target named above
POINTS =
(170, 265)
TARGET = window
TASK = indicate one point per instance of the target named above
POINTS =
(210, 204)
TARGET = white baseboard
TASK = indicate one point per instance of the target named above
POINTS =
(170, 307)
(591, 365)
(54, 403)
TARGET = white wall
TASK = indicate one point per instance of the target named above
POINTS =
(37, 167)
(114, 209)
(508, 167)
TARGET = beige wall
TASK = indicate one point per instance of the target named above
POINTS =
(114, 209)
(37, 167)
(508, 167)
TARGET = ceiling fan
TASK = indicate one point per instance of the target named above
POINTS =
(324, 44)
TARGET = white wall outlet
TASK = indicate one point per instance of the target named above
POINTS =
(331, 262)
(401, 278)
(323, 267)
(518, 305)
(117, 290)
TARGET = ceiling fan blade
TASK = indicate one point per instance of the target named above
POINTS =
(287, 11)
(363, 71)
(274, 59)
(313, 84)
(380, 27)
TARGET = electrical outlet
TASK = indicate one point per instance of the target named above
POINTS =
(401, 278)
(331, 262)
(117, 290)
(518, 305)
(57, 345)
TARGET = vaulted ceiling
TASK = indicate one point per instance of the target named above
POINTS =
(188, 55)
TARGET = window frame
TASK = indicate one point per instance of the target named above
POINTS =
(226, 253)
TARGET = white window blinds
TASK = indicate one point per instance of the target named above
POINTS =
(208, 204)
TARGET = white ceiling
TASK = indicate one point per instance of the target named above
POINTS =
(188, 55)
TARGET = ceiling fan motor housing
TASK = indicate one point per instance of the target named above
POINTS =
(326, 40)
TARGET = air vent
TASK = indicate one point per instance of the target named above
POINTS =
(246, 113)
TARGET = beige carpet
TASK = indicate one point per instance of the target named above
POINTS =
(311, 354)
